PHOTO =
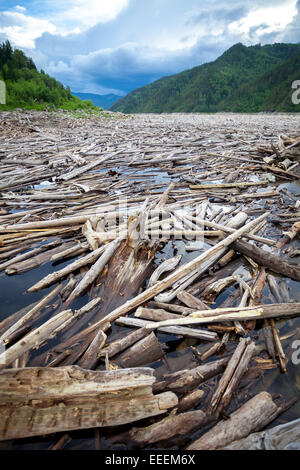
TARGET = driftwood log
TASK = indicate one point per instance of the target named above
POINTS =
(283, 437)
(251, 417)
(39, 401)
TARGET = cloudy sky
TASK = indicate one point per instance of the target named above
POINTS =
(103, 46)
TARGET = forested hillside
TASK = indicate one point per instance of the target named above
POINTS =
(221, 85)
(26, 87)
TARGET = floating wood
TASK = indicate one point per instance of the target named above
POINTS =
(253, 416)
(69, 398)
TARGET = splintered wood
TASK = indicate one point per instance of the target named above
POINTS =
(166, 241)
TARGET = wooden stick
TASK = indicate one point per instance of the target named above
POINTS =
(95, 270)
(56, 276)
(232, 314)
(188, 332)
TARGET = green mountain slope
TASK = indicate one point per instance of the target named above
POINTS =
(105, 101)
(270, 92)
(207, 88)
(28, 88)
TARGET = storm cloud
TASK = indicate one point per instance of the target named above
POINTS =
(102, 46)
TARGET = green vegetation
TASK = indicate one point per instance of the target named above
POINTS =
(105, 101)
(28, 88)
(243, 79)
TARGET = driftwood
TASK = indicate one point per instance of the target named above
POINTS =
(172, 425)
(118, 346)
(62, 399)
(95, 270)
(189, 379)
(191, 301)
(144, 352)
(43, 333)
(190, 400)
(56, 276)
(157, 314)
(283, 437)
(30, 315)
(253, 416)
(267, 259)
(172, 330)
(91, 356)
(232, 376)
(179, 273)
(208, 262)
(235, 313)
(35, 338)
(167, 265)
(97, 180)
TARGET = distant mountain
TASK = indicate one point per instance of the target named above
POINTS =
(239, 80)
(269, 92)
(26, 87)
(105, 101)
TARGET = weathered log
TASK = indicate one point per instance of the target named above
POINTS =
(29, 254)
(56, 276)
(145, 351)
(84, 169)
(33, 262)
(210, 352)
(228, 229)
(187, 332)
(251, 417)
(35, 338)
(76, 250)
(172, 425)
(232, 376)
(43, 333)
(167, 265)
(191, 301)
(116, 347)
(188, 278)
(30, 315)
(288, 236)
(39, 401)
(156, 314)
(170, 307)
(188, 379)
(190, 400)
(95, 270)
(267, 259)
(235, 313)
(283, 437)
(91, 356)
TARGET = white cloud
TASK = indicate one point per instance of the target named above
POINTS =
(103, 46)
(63, 18)
(84, 14)
(22, 30)
(19, 8)
(272, 18)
